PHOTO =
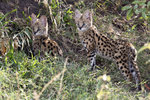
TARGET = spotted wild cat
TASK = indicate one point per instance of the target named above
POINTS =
(121, 52)
(41, 43)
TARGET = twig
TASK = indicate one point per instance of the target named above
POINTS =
(61, 80)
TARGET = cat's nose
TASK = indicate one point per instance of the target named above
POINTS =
(80, 28)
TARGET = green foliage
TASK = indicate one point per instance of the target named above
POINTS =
(68, 17)
(61, 15)
(138, 8)
(23, 37)
(146, 46)
(4, 22)
(17, 31)
(23, 78)
(2, 17)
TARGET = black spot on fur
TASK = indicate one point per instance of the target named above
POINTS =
(45, 37)
(96, 35)
(121, 67)
(52, 54)
(120, 61)
(119, 56)
(93, 31)
(51, 49)
(109, 53)
(98, 38)
(51, 44)
(132, 70)
(44, 44)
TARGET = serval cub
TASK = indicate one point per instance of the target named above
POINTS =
(41, 43)
(119, 51)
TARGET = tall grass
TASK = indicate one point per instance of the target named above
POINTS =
(23, 78)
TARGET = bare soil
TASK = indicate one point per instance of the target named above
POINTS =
(23, 6)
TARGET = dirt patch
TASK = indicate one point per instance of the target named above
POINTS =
(23, 6)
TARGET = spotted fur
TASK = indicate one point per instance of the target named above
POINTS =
(41, 43)
(121, 52)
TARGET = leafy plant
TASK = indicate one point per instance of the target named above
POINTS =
(140, 8)
(4, 22)
(15, 32)
(60, 14)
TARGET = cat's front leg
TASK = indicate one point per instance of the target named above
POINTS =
(92, 59)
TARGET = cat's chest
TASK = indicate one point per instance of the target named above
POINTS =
(101, 44)
(40, 42)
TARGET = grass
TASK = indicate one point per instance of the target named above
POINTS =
(68, 78)
(23, 78)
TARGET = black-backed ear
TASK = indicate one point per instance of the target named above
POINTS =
(34, 18)
(77, 14)
(87, 15)
(43, 20)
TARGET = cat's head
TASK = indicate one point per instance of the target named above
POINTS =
(39, 26)
(83, 20)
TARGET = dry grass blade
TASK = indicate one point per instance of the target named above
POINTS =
(37, 96)
(61, 80)
(18, 92)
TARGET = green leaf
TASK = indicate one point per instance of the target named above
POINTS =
(135, 6)
(69, 11)
(144, 15)
(148, 14)
(6, 60)
(30, 18)
(137, 11)
(27, 33)
(142, 4)
(126, 8)
(136, 2)
(133, 27)
(144, 9)
(139, 2)
(129, 14)
(148, 4)
(8, 14)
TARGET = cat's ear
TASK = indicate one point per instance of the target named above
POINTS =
(77, 14)
(34, 18)
(87, 15)
(44, 23)
(43, 20)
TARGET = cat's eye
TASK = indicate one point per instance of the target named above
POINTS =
(80, 27)
(37, 31)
